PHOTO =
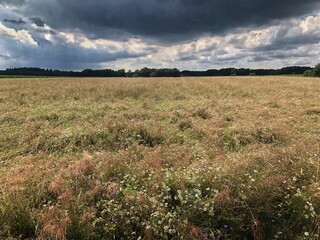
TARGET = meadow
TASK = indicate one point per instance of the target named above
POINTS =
(160, 158)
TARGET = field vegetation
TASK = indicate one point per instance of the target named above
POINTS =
(169, 158)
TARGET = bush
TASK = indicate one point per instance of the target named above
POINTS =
(314, 72)
(308, 73)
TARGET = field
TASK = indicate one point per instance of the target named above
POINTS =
(180, 158)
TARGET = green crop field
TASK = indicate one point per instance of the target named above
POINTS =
(169, 158)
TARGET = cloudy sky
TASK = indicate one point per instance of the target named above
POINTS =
(186, 34)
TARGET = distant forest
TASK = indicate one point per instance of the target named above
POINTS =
(150, 72)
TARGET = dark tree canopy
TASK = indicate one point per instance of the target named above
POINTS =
(152, 72)
(317, 70)
(313, 72)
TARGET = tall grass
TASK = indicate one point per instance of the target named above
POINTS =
(189, 158)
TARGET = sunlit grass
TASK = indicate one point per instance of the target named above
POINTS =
(180, 158)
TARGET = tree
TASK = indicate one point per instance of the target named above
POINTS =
(129, 73)
(153, 74)
(316, 70)
(308, 73)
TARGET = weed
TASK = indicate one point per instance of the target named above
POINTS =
(202, 113)
(184, 125)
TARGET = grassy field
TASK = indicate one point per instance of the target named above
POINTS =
(183, 158)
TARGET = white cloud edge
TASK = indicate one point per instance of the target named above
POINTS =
(23, 36)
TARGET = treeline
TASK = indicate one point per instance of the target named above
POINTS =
(60, 73)
(247, 72)
(151, 72)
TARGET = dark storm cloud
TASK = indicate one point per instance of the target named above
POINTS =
(292, 43)
(297, 53)
(188, 57)
(37, 21)
(18, 22)
(60, 56)
(165, 19)
(44, 31)
(287, 44)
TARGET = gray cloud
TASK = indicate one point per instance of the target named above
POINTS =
(60, 55)
(167, 20)
(193, 34)
(297, 53)
(4, 56)
(18, 22)
(37, 21)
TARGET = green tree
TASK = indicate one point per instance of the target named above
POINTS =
(308, 73)
(153, 74)
(129, 73)
(317, 70)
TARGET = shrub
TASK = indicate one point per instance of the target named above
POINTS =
(309, 73)
(314, 72)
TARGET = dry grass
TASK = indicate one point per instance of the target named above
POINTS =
(180, 158)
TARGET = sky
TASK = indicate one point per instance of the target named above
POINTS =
(183, 34)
